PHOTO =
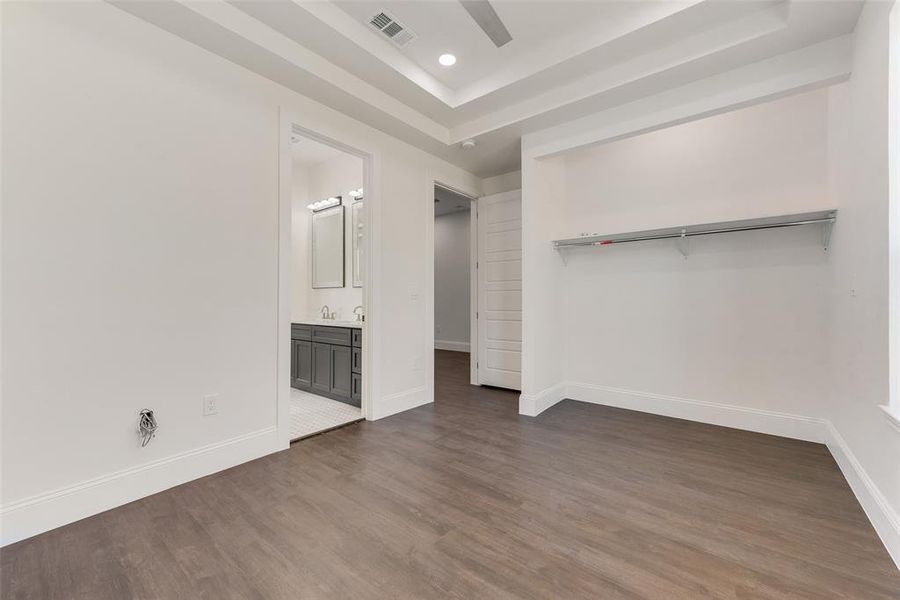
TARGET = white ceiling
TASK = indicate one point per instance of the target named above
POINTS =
(445, 26)
(308, 152)
(567, 59)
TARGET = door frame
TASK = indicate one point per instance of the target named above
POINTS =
(291, 123)
(474, 196)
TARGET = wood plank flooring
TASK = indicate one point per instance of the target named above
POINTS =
(466, 499)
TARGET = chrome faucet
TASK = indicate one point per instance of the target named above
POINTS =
(326, 314)
(359, 315)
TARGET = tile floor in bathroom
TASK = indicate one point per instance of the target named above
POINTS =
(312, 414)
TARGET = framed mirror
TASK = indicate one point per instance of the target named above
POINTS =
(356, 211)
(328, 248)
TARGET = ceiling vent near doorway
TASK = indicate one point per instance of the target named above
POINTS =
(399, 34)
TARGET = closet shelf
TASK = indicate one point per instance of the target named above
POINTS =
(825, 217)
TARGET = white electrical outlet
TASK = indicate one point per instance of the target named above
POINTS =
(210, 405)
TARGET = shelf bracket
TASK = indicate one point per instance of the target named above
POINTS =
(561, 250)
(826, 233)
(683, 243)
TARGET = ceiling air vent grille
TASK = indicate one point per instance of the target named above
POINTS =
(400, 35)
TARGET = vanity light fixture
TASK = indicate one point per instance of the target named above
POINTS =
(323, 204)
(356, 194)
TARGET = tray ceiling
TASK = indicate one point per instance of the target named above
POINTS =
(566, 59)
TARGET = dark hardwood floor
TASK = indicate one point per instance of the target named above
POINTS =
(466, 499)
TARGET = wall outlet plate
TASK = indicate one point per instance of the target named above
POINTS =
(210, 405)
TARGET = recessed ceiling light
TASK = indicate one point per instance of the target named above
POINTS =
(448, 60)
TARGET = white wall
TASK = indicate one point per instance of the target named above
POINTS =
(771, 158)
(139, 259)
(742, 321)
(859, 273)
(301, 265)
(502, 183)
(451, 281)
(741, 324)
(543, 277)
(332, 177)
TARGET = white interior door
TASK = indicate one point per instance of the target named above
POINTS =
(500, 290)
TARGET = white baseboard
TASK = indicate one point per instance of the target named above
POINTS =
(37, 514)
(452, 346)
(882, 516)
(401, 401)
(531, 405)
(751, 419)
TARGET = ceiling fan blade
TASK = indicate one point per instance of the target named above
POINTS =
(486, 17)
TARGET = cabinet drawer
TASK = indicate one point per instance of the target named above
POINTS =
(357, 338)
(356, 364)
(339, 336)
(356, 389)
(301, 332)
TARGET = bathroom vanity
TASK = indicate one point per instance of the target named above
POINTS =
(326, 359)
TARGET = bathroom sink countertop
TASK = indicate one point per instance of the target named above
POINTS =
(333, 323)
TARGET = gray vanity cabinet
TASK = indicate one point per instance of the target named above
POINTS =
(356, 370)
(356, 367)
(340, 373)
(327, 361)
(321, 368)
(301, 364)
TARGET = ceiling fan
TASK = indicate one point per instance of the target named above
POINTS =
(486, 18)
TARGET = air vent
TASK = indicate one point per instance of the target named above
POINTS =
(399, 34)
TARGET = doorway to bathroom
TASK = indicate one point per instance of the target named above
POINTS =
(327, 273)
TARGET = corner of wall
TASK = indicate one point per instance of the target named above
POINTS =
(531, 405)
(543, 376)
(862, 120)
(501, 183)
(391, 404)
(878, 509)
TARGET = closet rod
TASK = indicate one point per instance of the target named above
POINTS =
(826, 217)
